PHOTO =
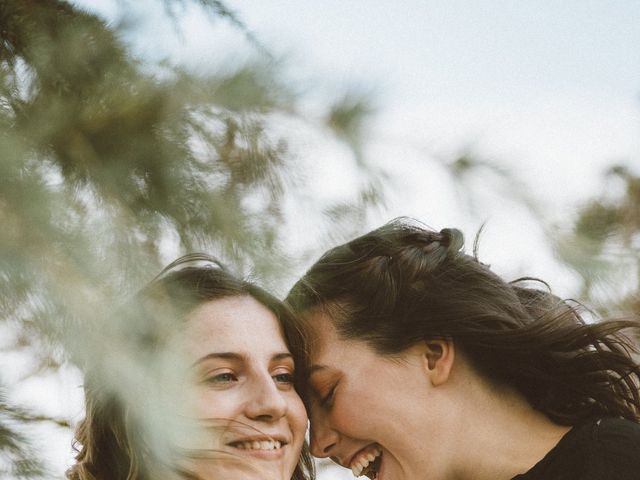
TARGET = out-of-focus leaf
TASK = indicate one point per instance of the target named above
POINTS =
(596, 222)
(17, 458)
(603, 246)
(348, 118)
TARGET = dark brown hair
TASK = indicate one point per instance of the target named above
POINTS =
(403, 283)
(111, 440)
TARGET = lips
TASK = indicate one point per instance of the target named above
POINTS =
(265, 447)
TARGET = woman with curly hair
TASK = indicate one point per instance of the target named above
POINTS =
(211, 392)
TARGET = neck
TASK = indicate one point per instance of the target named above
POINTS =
(497, 433)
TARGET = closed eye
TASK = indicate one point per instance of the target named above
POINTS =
(327, 400)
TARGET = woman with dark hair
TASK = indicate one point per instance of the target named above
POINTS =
(208, 390)
(423, 363)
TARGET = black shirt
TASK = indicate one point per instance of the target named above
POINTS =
(607, 449)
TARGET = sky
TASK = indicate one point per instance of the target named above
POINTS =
(548, 89)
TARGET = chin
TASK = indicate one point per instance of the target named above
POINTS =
(230, 468)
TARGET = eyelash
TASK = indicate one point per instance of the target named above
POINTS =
(288, 378)
(327, 400)
(228, 377)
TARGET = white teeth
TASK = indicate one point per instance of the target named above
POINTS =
(363, 460)
(259, 445)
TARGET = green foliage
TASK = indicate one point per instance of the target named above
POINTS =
(603, 246)
(17, 458)
(348, 119)
(109, 162)
(596, 222)
(474, 175)
(104, 161)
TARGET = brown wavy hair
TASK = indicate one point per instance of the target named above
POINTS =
(111, 441)
(403, 283)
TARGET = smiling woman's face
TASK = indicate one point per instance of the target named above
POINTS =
(241, 382)
(373, 414)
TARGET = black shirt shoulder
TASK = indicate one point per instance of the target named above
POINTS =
(617, 446)
(605, 449)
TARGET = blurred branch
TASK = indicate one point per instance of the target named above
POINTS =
(24, 416)
(473, 175)
(348, 118)
(106, 165)
(20, 460)
(603, 246)
(217, 9)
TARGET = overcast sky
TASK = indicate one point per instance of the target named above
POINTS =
(548, 89)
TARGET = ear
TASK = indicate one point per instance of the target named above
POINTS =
(438, 357)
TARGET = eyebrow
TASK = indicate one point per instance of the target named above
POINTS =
(282, 356)
(237, 357)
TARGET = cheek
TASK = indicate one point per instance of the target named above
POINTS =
(297, 416)
(355, 411)
(297, 421)
(210, 404)
(345, 417)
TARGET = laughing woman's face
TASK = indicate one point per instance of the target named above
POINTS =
(241, 387)
(373, 414)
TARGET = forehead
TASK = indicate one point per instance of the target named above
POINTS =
(325, 345)
(233, 324)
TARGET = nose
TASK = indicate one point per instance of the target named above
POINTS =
(267, 403)
(323, 438)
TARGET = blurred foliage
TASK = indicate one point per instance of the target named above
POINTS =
(108, 163)
(348, 118)
(17, 458)
(473, 174)
(603, 246)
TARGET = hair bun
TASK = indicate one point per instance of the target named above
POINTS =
(452, 239)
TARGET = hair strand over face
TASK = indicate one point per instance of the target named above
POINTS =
(112, 440)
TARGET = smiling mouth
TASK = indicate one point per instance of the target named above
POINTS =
(367, 462)
(257, 444)
(263, 448)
